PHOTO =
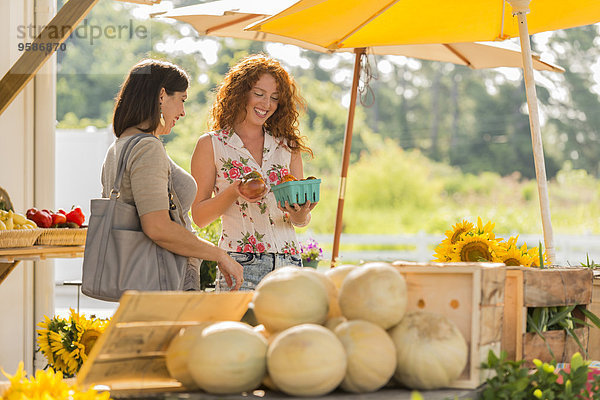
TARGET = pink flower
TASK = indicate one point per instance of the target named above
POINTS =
(239, 249)
(273, 176)
(284, 171)
(252, 240)
(237, 163)
(225, 175)
(246, 169)
(234, 173)
(260, 247)
(248, 248)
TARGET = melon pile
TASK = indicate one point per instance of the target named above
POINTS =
(347, 328)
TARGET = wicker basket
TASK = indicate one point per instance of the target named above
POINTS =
(62, 237)
(18, 237)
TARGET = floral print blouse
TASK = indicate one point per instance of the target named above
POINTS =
(253, 227)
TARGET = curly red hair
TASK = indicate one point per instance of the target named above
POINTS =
(232, 95)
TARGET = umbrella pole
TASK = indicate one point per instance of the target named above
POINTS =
(536, 135)
(346, 157)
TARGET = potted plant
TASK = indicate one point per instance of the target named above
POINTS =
(311, 253)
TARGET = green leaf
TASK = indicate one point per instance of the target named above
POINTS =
(571, 333)
(590, 315)
(562, 315)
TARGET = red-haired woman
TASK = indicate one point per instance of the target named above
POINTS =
(255, 128)
(150, 102)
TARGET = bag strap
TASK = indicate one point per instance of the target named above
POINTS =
(122, 164)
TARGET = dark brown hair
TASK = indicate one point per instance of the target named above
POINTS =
(232, 97)
(138, 99)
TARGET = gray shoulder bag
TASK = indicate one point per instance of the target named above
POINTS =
(118, 255)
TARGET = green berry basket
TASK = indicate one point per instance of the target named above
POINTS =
(297, 192)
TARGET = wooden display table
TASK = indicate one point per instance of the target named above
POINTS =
(11, 257)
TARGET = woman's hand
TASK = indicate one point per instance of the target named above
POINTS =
(231, 270)
(236, 185)
(298, 213)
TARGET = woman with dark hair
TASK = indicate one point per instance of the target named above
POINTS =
(150, 102)
(255, 128)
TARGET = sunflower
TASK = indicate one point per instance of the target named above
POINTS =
(46, 385)
(510, 254)
(534, 253)
(486, 229)
(66, 343)
(475, 248)
(443, 251)
(458, 230)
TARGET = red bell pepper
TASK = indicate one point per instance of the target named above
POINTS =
(58, 218)
(42, 219)
(76, 216)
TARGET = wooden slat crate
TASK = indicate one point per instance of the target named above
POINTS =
(130, 354)
(469, 294)
(594, 343)
(534, 287)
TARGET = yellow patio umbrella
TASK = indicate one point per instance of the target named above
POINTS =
(229, 18)
(336, 24)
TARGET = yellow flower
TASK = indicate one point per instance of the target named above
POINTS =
(486, 229)
(67, 342)
(511, 255)
(534, 253)
(477, 248)
(443, 251)
(46, 385)
(457, 231)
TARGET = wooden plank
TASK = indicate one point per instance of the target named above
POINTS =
(35, 251)
(491, 324)
(130, 353)
(562, 345)
(57, 31)
(10, 257)
(492, 286)
(6, 269)
(594, 343)
(512, 328)
(557, 286)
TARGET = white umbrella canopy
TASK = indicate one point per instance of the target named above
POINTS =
(242, 19)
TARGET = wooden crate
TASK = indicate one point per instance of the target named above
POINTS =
(469, 294)
(594, 342)
(534, 287)
(130, 355)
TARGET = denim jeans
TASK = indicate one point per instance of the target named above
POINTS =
(256, 266)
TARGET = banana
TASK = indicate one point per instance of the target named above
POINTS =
(2, 226)
(9, 221)
(19, 219)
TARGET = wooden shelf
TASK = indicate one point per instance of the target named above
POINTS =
(10, 257)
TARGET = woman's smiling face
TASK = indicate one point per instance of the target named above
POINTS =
(262, 101)
(172, 109)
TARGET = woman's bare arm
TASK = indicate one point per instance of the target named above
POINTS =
(159, 227)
